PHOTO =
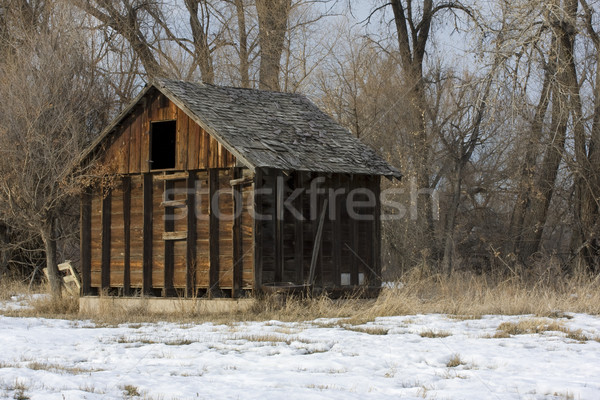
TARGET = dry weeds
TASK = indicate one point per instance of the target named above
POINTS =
(463, 295)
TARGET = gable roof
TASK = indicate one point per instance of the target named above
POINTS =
(269, 129)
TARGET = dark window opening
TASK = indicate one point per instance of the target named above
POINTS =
(162, 152)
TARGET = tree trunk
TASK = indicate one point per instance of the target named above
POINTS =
(562, 89)
(243, 35)
(527, 176)
(49, 239)
(202, 53)
(411, 47)
(587, 168)
(272, 26)
(451, 222)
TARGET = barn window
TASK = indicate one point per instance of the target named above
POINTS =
(162, 145)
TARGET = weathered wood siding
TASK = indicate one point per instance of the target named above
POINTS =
(128, 152)
(350, 243)
(116, 232)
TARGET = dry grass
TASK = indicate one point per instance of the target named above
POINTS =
(431, 334)
(540, 325)
(454, 361)
(371, 330)
(12, 287)
(463, 295)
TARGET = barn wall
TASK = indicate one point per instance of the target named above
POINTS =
(190, 248)
(349, 246)
(128, 150)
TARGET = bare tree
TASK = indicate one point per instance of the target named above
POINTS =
(272, 26)
(52, 102)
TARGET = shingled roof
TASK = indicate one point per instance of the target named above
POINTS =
(285, 131)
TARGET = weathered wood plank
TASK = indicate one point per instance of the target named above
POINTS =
(169, 226)
(127, 234)
(190, 272)
(171, 177)
(336, 240)
(237, 234)
(147, 233)
(86, 241)
(106, 245)
(278, 221)
(181, 140)
(258, 234)
(354, 238)
(299, 230)
(193, 144)
(213, 230)
(181, 235)
(377, 232)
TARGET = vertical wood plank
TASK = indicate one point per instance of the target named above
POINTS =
(258, 233)
(85, 241)
(106, 203)
(147, 247)
(124, 147)
(190, 284)
(377, 232)
(144, 142)
(213, 179)
(354, 240)
(299, 230)
(336, 241)
(127, 235)
(169, 269)
(278, 224)
(193, 144)
(238, 267)
(181, 140)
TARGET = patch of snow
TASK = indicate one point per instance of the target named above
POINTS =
(321, 359)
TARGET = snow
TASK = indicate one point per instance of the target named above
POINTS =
(320, 359)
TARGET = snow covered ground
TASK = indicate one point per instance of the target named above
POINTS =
(431, 356)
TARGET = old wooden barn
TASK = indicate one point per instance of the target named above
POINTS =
(215, 191)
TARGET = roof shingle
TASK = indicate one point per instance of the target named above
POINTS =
(278, 130)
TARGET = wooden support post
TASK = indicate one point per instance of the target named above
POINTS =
(317, 244)
(258, 230)
(377, 233)
(213, 232)
(354, 242)
(238, 204)
(190, 272)
(336, 240)
(127, 235)
(85, 241)
(169, 245)
(278, 225)
(147, 247)
(105, 262)
(299, 230)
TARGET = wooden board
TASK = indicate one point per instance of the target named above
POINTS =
(128, 148)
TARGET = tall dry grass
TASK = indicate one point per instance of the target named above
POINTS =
(464, 294)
